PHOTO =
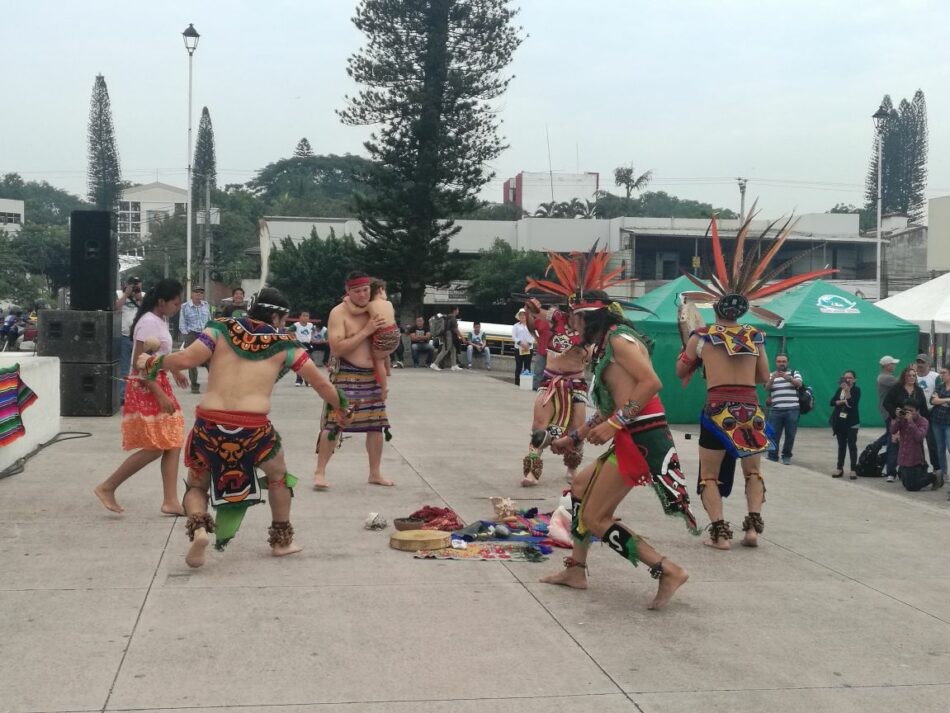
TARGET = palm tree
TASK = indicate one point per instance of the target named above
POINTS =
(624, 177)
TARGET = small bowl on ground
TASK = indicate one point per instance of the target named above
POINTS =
(408, 523)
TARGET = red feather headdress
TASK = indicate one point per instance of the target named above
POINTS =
(578, 274)
(747, 276)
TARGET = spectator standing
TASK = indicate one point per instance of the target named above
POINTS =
(524, 341)
(236, 307)
(319, 340)
(193, 318)
(845, 422)
(927, 381)
(477, 345)
(420, 342)
(906, 389)
(128, 300)
(542, 333)
(885, 381)
(784, 410)
(911, 428)
(450, 337)
(303, 330)
(940, 417)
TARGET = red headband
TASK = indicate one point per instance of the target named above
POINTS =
(357, 282)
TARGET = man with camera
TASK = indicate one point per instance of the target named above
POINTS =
(127, 302)
(784, 410)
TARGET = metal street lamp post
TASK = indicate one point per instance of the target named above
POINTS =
(880, 119)
(190, 37)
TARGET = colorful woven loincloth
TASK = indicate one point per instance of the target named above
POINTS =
(15, 397)
(359, 386)
(732, 416)
(144, 424)
(229, 445)
(386, 339)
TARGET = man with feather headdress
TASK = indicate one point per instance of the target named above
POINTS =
(732, 423)
(630, 418)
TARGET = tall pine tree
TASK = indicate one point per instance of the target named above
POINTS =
(205, 164)
(904, 155)
(303, 150)
(105, 182)
(430, 70)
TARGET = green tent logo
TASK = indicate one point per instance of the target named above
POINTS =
(836, 304)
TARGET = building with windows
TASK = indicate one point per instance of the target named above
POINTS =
(141, 206)
(11, 215)
(528, 190)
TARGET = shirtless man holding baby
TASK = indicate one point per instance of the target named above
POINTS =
(351, 336)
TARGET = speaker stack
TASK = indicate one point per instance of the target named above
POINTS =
(87, 337)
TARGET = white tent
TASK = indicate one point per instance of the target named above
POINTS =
(925, 304)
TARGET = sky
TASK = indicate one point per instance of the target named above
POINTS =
(701, 93)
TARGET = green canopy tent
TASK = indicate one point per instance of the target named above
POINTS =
(826, 331)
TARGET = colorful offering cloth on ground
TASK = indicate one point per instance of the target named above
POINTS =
(144, 423)
(486, 553)
(444, 519)
(365, 397)
(15, 397)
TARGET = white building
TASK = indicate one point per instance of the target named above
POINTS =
(528, 190)
(141, 206)
(11, 215)
(654, 250)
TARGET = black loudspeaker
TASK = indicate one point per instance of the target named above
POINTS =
(80, 337)
(93, 260)
(88, 389)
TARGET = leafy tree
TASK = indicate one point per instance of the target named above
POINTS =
(44, 204)
(205, 164)
(501, 271)
(904, 144)
(15, 283)
(311, 274)
(656, 204)
(311, 185)
(103, 172)
(430, 69)
(44, 250)
(303, 149)
(627, 178)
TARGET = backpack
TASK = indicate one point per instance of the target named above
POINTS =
(806, 399)
(871, 463)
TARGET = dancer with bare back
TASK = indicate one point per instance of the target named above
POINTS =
(232, 435)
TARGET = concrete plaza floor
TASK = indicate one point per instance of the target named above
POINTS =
(845, 606)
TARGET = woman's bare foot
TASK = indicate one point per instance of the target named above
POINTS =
(285, 549)
(107, 498)
(574, 577)
(673, 578)
(380, 480)
(529, 481)
(320, 482)
(172, 509)
(196, 553)
(717, 544)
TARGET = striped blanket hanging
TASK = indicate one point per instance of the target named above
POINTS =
(15, 396)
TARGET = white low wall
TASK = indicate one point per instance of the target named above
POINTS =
(42, 420)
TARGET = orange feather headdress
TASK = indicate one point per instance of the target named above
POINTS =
(747, 279)
(577, 276)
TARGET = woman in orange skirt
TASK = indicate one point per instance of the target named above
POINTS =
(152, 421)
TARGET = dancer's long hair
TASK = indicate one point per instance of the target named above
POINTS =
(167, 289)
(597, 322)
